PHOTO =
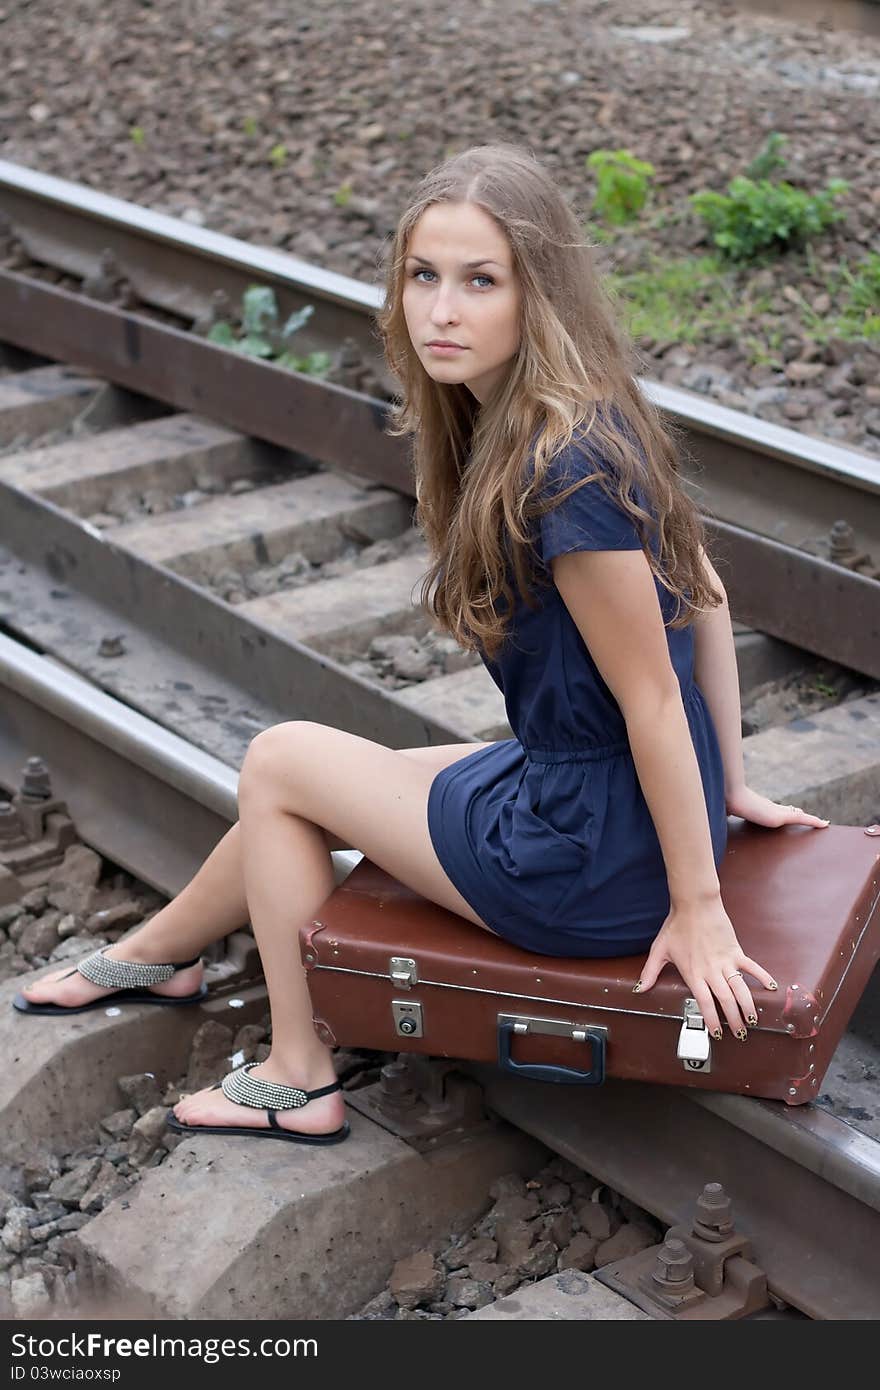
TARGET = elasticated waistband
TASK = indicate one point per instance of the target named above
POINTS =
(576, 755)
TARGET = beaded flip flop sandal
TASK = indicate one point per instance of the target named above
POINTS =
(270, 1096)
(127, 980)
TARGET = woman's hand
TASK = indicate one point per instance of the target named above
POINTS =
(701, 943)
(760, 810)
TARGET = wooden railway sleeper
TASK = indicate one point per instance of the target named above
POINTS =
(425, 1101)
(704, 1271)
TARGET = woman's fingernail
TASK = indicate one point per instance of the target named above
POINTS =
(752, 1019)
(741, 1034)
(637, 987)
(716, 1033)
(772, 985)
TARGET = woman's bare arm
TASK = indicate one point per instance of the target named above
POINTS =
(715, 671)
(612, 599)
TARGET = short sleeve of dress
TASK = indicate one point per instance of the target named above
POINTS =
(587, 520)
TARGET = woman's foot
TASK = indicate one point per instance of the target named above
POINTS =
(321, 1116)
(76, 990)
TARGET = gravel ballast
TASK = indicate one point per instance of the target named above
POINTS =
(305, 127)
(559, 1219)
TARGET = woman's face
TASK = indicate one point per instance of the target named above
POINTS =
(461, 287)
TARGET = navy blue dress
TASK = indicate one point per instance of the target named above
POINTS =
(547, 835)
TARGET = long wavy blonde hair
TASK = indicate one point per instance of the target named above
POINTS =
(573, 372)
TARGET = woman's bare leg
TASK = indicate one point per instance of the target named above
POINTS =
(213, 904)
(296, 779)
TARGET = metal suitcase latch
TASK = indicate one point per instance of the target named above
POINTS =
(403, 972)
(694, 1044)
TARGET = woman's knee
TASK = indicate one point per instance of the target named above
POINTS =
(269, 756)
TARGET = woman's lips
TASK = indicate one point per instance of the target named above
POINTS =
(444, 348)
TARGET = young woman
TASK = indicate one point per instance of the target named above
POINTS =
(567, 554)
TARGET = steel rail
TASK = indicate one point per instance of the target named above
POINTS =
(321, 420)
(148, 799)
(156, 805)
(173, 265)
(287, 408)
(760, 481)
(805, 1185)
(68, 225)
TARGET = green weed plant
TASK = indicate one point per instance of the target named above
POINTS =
(714, 297)
(769, 158)
(760, 213)
(622, 185)
(863, 295)
(757, 216)
(261, 336)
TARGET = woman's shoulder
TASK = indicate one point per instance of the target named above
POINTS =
(588, 453)
(592, 489)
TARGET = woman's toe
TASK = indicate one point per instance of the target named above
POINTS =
(206, 1107)
(36, 993)
(36, 986)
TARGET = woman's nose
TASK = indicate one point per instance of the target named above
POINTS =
(443, 309)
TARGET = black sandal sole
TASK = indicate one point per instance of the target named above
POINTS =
(246, 1132)
(119, 996)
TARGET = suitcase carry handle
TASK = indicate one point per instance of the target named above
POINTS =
(542, 1071)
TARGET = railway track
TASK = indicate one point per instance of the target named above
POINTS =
(781, 503)
(141, 671)
(656, 1146)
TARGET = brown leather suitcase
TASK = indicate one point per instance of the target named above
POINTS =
(389, 970)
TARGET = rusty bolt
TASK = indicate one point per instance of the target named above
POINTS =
(842, 548)
(347, 367)
(841, 538)
(10, 825)
(35, 783)
(714, 1214)
(350, 354)
(674, 1270)
(396, 1085)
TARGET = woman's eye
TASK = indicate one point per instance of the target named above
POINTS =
(425, 271)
